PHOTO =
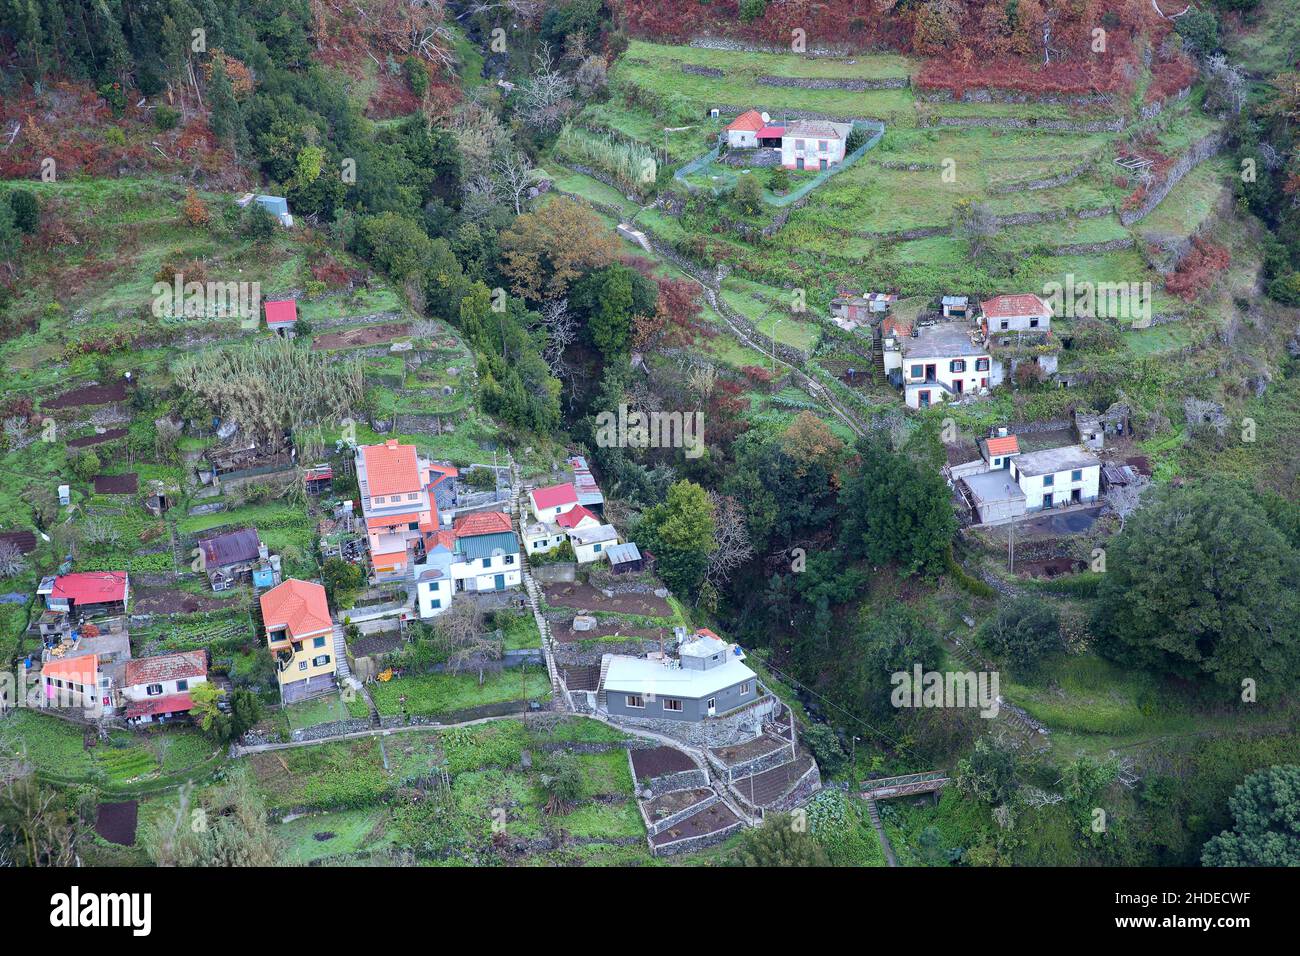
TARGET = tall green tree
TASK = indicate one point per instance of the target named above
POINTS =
(897, 509)
(1266, 822)
(1199, 584)
(680, 534)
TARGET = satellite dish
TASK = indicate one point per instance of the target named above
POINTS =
(766, 118)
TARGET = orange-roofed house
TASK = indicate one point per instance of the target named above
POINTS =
(300, 636)
(742, 132)
(77, 682)
(999, 450)
(394, 483)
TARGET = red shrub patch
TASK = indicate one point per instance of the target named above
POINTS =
(1197, 270)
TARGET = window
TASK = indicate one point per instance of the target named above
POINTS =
(379, 500)
(675, 705)
(745, 688)
(997, 462)
(413, 526)
(981, 365)
(1003, 325)
(153, 690)
(1033, 323)
(1049, 480)
(822, 145)
(487, 562)
(412, 496)
(596, 546)
(302, 665)
(1076, 475)
(320, 661)
(319, 642)
(918, 371)
(182, 685)
(435, 603)
(798, 144)
(712, 703)
(957, 365)
(510, 559)
(634, 700)
(543, 543)
(557, 511)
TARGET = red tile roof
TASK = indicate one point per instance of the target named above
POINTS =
(445, 538)
(391, 468)
(1009, 445)
(81, 669)
(751, 120)
(91, 587)
(554, 496)
(165, 667)
(387, 521)
(573, 516)
(170, 704)
(298, 605)
(771, 132)
(892, 325)
(481, 522)
(1007, 306)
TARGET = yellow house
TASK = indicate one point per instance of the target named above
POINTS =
(300, 636)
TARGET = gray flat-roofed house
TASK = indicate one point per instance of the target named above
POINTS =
(1057, 476)
(708, 678)
(995, 496)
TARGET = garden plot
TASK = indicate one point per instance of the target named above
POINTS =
(89, 395)
(453, 696)
(584, 597)
(361, 337)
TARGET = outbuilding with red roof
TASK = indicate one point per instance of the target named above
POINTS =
(281, 315)
(553, 500)
(742, 132)
(89, 592)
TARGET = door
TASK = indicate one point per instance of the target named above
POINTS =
(931, 372)
(957, 386)
(500, 582)
(1076, 496)
(798, 163)
(821, 164)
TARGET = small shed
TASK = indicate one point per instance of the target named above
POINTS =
(281, 316)
(625, 558)
(955, 306)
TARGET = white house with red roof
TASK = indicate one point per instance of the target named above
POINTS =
(814, 144)
(281, 315)
(742, 132)
(552, 501)
(486, 553)
(81, 681)
(394, 481)
(1015, 313)
(87, 592)
(158, 688)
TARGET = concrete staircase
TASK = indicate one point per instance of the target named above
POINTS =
(533, 592)
(602, 695)
(873, 812)
(341, 654)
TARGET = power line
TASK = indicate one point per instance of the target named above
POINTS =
(854, 717)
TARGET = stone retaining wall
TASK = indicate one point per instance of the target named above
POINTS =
(682, 780)
(691, 844)
(654, 827)
(826, 83)
(992, 95)
(750, 767)
(1202, 150)
(714, 732)
(1114, 125)
(1049, 182)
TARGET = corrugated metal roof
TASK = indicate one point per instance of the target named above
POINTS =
(488, 545)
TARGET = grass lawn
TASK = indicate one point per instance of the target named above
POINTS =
(333, 834)
(309, 713)
(127, 763)
(429, 695)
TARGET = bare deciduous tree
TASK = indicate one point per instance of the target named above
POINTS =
(731, 535)
(547, 97)
(512, 175)
(11, 560)
(561, 329)
(459, 632)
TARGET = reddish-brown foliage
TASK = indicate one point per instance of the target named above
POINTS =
(1197, 270)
